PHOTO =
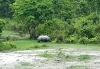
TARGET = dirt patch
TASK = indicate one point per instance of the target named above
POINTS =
(29, 59)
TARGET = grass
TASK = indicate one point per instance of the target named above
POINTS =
(84, 57)
(25, 64)
(47, 55)
(78, 67)
(65, 57)
(30, 44)
(33, 44)
(26, 44)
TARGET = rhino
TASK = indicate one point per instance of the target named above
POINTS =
(44, 38)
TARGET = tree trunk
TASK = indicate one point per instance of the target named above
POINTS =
(32, 34)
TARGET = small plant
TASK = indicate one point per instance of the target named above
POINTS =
(25, 64)
(47, 55)
(61, 55)
(44, 45)
(84, 57)
(69, 57)
(39, 46)
(36, 46)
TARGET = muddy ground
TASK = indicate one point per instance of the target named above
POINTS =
(29, 59)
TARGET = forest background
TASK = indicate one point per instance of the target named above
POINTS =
(64, 21)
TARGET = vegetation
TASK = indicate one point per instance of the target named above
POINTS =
(78, 67)
(67, 57)
(84, 57)
(64, 21)
(47, 55)
(1, 25)
(7, 46)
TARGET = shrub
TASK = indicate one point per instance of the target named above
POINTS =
(84, 40)
(86, 31)
(94, 40)
(67, 40)
(71, 39)
(59, 39)
(7, 46)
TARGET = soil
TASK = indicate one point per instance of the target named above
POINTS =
(29, 59)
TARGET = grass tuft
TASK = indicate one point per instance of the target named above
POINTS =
(78, 67)
(84, 57)
(47, 55)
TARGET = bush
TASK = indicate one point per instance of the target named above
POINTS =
(94, 40)
(59, 39)
(84, 40)
(71, 39)
(7, 46)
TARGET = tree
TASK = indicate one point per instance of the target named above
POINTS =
(31, 26)
(63, 9)
(55, 28)
(31, 13)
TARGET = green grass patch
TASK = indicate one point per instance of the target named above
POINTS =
(30, 44)
(78, 67)
(70, 58)
(33, 44)
(77, 58)
(47, 55)
(84, 57)
(25, 64)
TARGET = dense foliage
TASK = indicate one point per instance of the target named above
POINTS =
(68, 21)
(1, 25)
(5, 10)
